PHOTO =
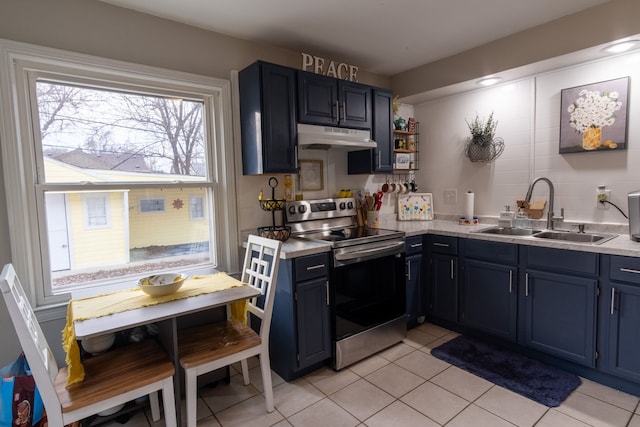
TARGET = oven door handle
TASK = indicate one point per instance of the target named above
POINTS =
(380, 250)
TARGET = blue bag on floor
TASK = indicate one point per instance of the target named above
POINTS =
(20, 401)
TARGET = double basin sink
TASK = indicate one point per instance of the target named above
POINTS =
(565, 236)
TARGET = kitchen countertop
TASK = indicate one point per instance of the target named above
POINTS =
(620, 245)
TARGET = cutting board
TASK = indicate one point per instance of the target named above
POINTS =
(415, 207)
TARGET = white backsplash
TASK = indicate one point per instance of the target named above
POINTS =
(528, 112)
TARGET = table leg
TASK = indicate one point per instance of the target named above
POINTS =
(168, 336)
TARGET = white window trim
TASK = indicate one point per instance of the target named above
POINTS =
(19, 161)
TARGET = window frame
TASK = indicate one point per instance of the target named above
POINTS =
(86, 197)
(201, 215)
(20, 65)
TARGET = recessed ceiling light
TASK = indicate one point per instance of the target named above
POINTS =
(488, 81)
(623, 46)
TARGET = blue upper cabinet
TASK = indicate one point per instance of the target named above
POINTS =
(268, 119)
(380, 159)
(329, 101)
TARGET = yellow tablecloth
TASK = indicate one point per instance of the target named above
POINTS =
(130, 299)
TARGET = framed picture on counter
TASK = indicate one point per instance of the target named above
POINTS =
(311, 175)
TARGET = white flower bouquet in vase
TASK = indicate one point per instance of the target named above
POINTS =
(590, 112)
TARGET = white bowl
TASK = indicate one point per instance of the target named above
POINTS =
(98, 344)
(162, 284)
(110, 411)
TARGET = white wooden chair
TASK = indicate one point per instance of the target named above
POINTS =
(111, 379)
(209, 347)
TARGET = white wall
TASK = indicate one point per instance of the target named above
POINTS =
(528, 112)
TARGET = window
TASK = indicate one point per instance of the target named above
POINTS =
(196, 207)
(119, 159)
(96, 211)
(151, 205)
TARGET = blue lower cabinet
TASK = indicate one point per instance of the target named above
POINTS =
(300, 340)
(415, 291)
(622, 312)
(624, 331)
(416, 286)
(443, 292)
(559, 315)
(489, 298)
(489, 291)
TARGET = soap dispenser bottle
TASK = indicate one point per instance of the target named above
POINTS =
(522, 219)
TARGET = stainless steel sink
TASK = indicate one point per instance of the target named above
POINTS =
(565, 236)
(569, 236)
(509, 231)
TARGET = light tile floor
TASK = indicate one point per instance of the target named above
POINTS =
(401, 386)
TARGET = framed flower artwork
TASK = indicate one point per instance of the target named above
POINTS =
(593, 117)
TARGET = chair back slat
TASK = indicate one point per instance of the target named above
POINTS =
(260, 270)
(32, 340)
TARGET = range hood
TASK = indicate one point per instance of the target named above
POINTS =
(313, 137)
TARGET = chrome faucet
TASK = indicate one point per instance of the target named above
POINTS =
(550, 214)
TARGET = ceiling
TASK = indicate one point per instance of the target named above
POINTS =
(384, 37)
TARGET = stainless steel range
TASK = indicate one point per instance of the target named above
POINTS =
(367, 283)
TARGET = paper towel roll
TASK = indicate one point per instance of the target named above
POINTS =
(468, 205)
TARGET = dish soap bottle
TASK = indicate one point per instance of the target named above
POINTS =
(522, 219)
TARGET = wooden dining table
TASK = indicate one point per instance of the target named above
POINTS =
(165, 316)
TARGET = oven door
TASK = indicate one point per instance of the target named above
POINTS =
(368, 287)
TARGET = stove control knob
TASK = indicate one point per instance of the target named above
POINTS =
(343, 205)
(349, 205)
(292, 210)
(302, 209)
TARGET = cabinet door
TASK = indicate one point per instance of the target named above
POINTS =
(312, 311)
(382, 131)
(415, 290)
(268, 91)
(443, 292)
(624, 339)
(489, 298)
(559, 315)
(379, 159)
(318, 102)
(355, 105)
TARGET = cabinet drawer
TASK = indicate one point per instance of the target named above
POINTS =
(505, 253)
(562, 260)
(414, 245)
(312, 266)
(626, 269)
(442, 244)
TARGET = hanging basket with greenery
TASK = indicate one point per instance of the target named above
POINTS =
(483, 146)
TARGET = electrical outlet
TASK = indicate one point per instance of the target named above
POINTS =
(450, 197)
(603, 196)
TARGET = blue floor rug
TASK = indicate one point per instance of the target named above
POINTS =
(540, 382)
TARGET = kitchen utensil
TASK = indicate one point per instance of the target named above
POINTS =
(378, 200)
